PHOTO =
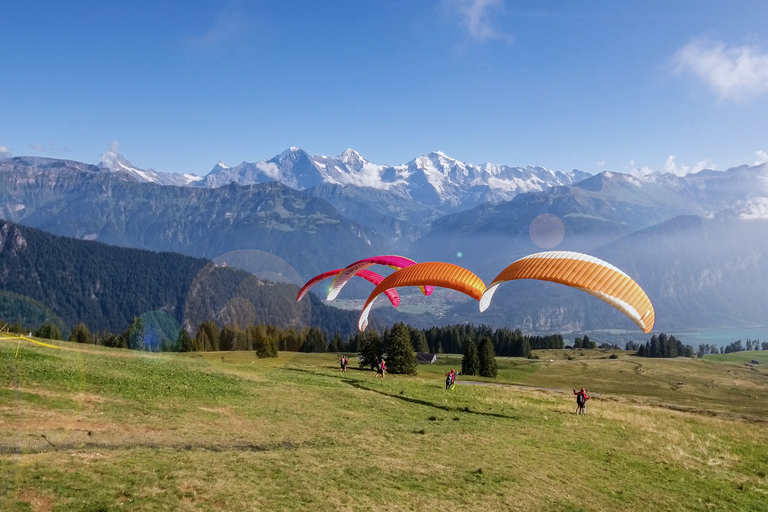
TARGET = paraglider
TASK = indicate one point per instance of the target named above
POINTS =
(395, 262)
(450, 379)
(587, 273)
(435, 273)
(368, 275)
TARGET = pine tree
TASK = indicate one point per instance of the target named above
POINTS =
(137, 334)
(370, 350)
(401, 358)
(184, 342)
(212, 334)
(470, 363)
(336, 343)
(202, 342)
(81, 334)
(418, 340)
(264, 342)
(49, 331)
(488, 366)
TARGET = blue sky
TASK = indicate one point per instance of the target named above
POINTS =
(598, 85)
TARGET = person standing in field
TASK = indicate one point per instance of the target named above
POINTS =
(344, 362)
(381, 368)
(450, 379)
(581, 401)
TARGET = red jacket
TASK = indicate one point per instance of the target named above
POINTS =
(583, 394)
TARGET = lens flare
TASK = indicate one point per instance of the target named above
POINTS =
(547, 231)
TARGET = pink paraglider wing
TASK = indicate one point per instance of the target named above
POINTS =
(368, 275)
(347, 273)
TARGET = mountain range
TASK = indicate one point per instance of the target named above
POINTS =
(319, 213)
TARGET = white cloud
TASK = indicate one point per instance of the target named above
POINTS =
(367, 176)
(111, 156)
(641, 173)
(738, 73)
(475, 17)
(229, 25)
(601, 163)
(762, 157)
(756, 209)
(671, 167)
(269, 168)
(50, 149)
(4, 152)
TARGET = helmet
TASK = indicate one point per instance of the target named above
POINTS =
(582, 389)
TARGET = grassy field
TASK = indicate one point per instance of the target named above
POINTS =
(87, 428)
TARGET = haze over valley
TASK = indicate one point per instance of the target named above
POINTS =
(694, 242)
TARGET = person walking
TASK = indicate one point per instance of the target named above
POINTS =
(450, 379)
(581, 401)
(381, 369)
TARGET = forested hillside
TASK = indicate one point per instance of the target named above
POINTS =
(44, 277)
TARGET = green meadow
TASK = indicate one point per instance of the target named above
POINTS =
(94, 429)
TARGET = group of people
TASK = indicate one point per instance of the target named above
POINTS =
(450, 382)
(381, 366)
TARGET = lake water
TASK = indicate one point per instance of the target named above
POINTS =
(722, 336)
(717, 337)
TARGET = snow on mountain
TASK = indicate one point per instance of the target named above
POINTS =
(434, 179)
(113, 161)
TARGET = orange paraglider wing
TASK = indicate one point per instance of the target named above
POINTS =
(432, 272)
(585, 272)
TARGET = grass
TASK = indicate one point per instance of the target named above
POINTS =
(87, 428)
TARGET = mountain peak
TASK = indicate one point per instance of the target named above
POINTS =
(351, 156)
(219, 167)
(290, 152)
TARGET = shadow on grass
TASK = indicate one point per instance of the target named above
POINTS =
(358, 385)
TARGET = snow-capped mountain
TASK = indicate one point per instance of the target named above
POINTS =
(434, 179)
(113, 161)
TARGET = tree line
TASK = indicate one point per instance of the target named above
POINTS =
(661, 345)
(735, 346)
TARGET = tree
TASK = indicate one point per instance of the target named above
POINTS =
(470, 363)
(202, 343)
(355, 343)
(184, 342)
(232, 338)
(401, 358)
(316, 341)
(336, 344)
(49, 331)
(370, 350)
(137, 334)
(418, 340)
(211, 339)
(81, 334)
(264, 342)
(488, 367)
(106, 339)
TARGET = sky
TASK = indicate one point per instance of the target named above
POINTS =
(179, 86)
